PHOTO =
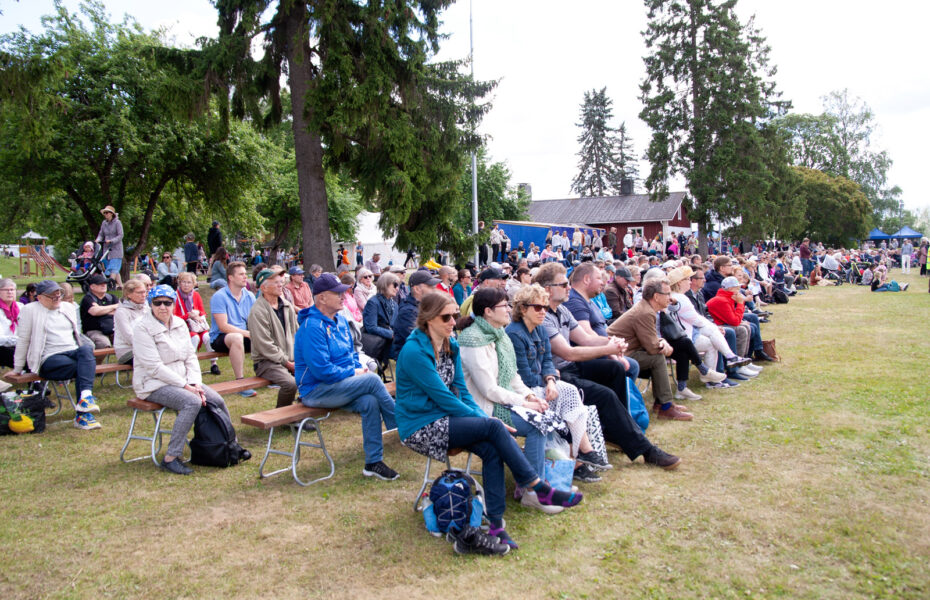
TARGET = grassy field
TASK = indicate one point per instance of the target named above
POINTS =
(810, 482)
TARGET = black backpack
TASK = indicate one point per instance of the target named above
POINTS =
(779, 296)
(214, 443)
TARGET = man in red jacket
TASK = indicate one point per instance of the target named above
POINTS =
(727, 308)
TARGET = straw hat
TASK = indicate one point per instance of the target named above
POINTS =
(679, 274)
(110, 209)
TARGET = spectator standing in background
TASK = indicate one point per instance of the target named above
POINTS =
(214, 238)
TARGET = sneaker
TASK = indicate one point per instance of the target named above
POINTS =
(713, 376)
(248, 393)
(472, 540)
(215, 369)
(273, 386)
(176, 467)
(753, 368)
(735, 375)
(658, 457)
(531, 500)
(594, 460)
(586, 474)
(717, 386)
(381, 471)
(85, 420)
(747, 372)
(87, 405)
(687, 394)
(737, 361)
(731, 383)
(503, 537)
(904, 287)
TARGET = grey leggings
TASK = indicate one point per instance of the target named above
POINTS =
(188, 405)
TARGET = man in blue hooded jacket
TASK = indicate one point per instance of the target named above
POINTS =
(329, 374)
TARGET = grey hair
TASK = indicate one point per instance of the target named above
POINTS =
(385, 281)
(653, 287)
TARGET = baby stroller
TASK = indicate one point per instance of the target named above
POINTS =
(96, 266)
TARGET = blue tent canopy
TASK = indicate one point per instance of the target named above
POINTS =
(878, 234)
(907, 232)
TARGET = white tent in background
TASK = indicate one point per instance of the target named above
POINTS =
(32, 235)
(373, 240)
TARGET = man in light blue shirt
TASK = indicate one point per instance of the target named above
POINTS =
(229, 316)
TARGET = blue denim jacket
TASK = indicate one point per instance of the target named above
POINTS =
(534, 354)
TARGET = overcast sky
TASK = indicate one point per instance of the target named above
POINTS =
(546, 54)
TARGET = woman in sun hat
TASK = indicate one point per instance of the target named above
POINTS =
(111, 236)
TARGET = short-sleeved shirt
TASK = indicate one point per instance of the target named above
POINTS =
(561, 322)
(585, 310)
(103, 323)
(237, 312)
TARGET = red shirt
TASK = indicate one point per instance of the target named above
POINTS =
(442, 288)
(196, 303)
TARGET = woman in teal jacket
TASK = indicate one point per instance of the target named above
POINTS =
(435, 412)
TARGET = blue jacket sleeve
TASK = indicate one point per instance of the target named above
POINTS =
(403, 324)
(547, 367)
(432, 385)
(316, 353)
(370, 318)
(520, 347)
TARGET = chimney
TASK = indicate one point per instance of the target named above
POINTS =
(626, 187)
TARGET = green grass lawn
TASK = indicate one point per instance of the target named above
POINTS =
(809, 482)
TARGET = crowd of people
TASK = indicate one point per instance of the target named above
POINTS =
(541, 351)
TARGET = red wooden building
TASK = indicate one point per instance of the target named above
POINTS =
(627, 213)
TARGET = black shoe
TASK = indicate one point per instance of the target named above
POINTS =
(586, 474)
(737, 361)
(472, 540)
(764, 320)
(176, 467)
(660, 458)
(215, 369)
(594, 460)
(381, 471)
(761, 355)
(244, 455)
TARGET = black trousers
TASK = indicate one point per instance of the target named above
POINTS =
(600, 380)
(684, 352)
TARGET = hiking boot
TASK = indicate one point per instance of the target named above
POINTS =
(531, 500)
(594, 460)
(674, 413)
(660, 458)
(87, 404)
(176, 467)
(586, 474)
(381, 471)
(737, 361)
(215, 369)
(85, 420)
(687, 394)
(472, 540)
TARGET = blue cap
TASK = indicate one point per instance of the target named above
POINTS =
(161, 291)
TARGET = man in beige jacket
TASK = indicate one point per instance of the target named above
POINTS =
(272, 325)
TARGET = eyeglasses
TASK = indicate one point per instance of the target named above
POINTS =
(54, 295)
(537, 307)
(664, 293)
(502, 305)
(162, 302)
(564, 284)
(446, 317)
(166, 256)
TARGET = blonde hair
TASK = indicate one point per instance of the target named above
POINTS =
(185, 275)
(530, 294)
(131, 286)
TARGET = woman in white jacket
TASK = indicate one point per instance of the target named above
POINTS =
(131, 309)
(167, 372)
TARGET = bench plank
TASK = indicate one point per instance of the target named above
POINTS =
(283, 416)
(224, 388)
(140, 404)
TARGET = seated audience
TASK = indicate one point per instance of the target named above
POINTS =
(167, 271)
(129, 311)
(462, 287)
(378, 315)
(10, 309)
(97, 308)
(272, 324)
(421, 283)
(297, 291)
(218, 265)
(229, 313)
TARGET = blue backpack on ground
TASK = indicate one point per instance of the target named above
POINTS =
(453, 503)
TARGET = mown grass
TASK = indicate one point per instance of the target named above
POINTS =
(810, 482)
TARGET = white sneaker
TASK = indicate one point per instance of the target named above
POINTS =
(751, 367)
(686, 394)
(747, 372)
(530, 500)
(713, 377)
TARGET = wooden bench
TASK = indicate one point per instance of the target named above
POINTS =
(287, 415)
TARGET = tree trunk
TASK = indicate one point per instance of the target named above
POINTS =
(308, 148)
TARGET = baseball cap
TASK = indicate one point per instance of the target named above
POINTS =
(729, 282)
(263, 276)
(491, 273)
(624, 273)
(295, 271)
(327, 282)
(418, 277)
(97, 279)
(47, 287)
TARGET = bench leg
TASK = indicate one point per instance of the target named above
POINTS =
(63, 385)
(294, 454)
(155, 440)
(119, 383)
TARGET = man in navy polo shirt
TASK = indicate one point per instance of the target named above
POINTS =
(229, 316)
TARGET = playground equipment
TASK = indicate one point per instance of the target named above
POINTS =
(34, 259)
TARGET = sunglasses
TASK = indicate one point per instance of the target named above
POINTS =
(537, 307)
(162, 302)
(54, 295)
(446, 317)
(166, 256)
(396, 284)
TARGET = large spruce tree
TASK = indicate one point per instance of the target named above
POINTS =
(366, 101)
(706, 95)
(599, 172)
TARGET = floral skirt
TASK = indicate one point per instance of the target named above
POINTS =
(431, 440)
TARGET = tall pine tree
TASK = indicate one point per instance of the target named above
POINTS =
(598, 171)
(627, 163)
(706, 95)
(366, 101)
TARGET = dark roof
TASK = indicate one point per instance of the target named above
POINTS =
(606, 209)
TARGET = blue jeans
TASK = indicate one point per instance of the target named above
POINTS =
(807, 265)
(78, 364)
(490, 440)
(535, 447)
(362, 394)
(755, 334)
(730, 335)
